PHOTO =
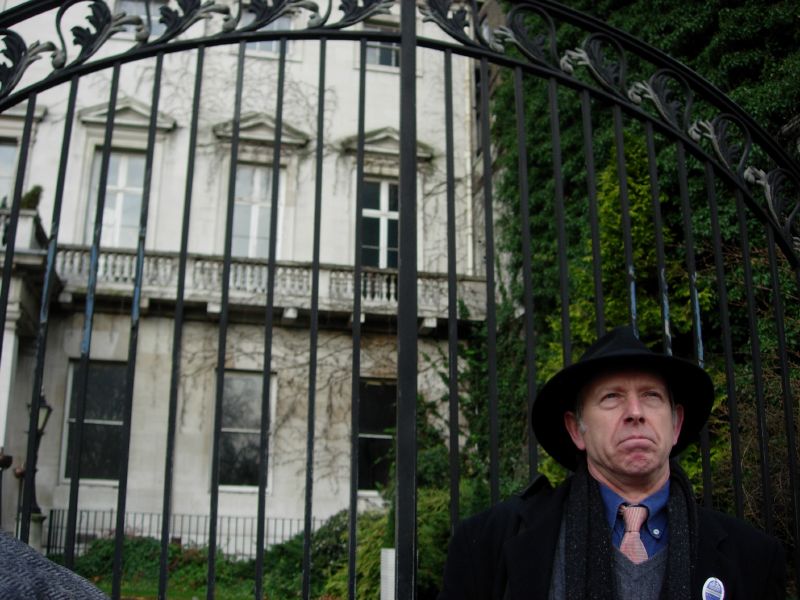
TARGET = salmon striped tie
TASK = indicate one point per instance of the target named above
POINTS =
(633, 515)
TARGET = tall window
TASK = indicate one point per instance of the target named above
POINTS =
(282, 23)
(241, 426)
(379, 224)
(123, 198)
(386, 54)
(137, 8)
(8, 165)
(101, 447)
(376, 416)
(251, 211)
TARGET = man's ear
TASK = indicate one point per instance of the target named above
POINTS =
(676, 426)
(574, 429)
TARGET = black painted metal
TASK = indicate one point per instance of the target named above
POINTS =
(733, 411)
(788, 398)
(222, 339)
(648, 107)
(591, 191)
(312, 363)
(625, 212)
(452, 296)
(491, 304)
(355, 376)
(177, 334)
(663, 288)
(406, 443)
(88, 322)
(47, 293)
(558, 202)
(8, 261)
(133, 342)
(755, 357)
(527, 275)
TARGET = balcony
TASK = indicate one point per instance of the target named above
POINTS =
(248, 283)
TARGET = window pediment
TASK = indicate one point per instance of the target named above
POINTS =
(259, 128)
(129, 113)
(382, 144)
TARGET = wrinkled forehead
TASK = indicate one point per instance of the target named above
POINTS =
(621, 378)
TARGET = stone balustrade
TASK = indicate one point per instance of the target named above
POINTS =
(249, 282)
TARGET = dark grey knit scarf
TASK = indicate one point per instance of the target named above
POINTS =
(589, 562)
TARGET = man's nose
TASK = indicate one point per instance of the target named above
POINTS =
(633, 409)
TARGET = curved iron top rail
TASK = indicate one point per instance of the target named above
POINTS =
(671, 91)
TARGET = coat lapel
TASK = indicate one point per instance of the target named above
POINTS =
(711, 561)
(528, 556)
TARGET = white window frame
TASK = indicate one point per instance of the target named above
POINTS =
(261, 202)
(251, 159)
(273, 394)
(72, 370)
(376, 48)
(384, 215)
(110, 238)
(268, 48)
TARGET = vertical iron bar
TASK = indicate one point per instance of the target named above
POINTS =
(11, 234)
(314, 324)
(177, 334)
(223, 326)
(563, 275)
(50, 278)
(663, 288)
(755, 357)
(268, 329)
(88, 320)
(31, 453)
(406, 498)
(625, 209)
(594, 222)
(527, 269)
(788, 399)
(491, 310)
(355, 383)
(130, 374)
(452, 292)
(686, 209)
(733, 408)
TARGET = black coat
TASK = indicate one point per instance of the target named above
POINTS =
(507, 552)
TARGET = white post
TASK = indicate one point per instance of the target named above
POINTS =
(8, 366)
(387, 574)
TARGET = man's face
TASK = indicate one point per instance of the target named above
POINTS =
(627, 427)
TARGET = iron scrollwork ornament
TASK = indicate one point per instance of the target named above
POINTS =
(439, 11)
(20, 58)
(264, 13)
(777, 192)
(539, 48)
(732, 150)
(660, 90)
(90, 40)
(608, 71)
(192, 11)
(356, 13)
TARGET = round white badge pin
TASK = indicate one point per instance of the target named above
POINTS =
(713, 589)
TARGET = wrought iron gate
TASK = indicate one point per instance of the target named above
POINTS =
(511, 185)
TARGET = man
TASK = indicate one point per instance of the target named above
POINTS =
(625, 525)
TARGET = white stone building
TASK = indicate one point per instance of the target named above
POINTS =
(244, 353)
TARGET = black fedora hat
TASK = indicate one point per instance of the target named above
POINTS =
(619, 349)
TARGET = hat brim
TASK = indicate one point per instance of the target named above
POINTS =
(690, 385)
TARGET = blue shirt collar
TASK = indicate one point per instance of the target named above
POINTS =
(656, 505)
